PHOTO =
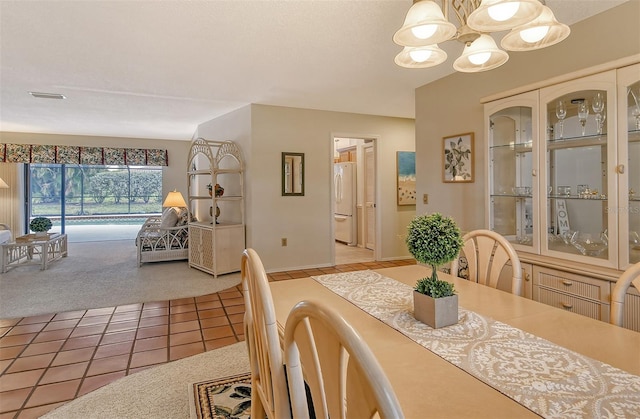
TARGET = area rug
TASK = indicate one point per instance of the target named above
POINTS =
(159, 392)
(102, 274)
(228, 397)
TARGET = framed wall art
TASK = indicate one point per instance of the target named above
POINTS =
(406, 177)
(458, 158)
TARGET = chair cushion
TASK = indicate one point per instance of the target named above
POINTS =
(169, 218)
(183, 217)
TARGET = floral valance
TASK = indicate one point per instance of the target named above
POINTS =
(64, 154)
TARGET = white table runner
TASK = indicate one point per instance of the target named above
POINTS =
(548, 379)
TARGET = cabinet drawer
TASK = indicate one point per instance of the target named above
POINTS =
(580, 286)
(593, 309)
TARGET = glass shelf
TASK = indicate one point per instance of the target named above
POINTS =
(517, 148)
(577, 198)
(503, 195)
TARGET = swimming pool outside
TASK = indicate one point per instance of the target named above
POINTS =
(101, 228)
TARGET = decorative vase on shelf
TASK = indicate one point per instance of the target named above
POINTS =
(219, 192)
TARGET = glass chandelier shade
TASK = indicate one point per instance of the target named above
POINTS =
(420, 57)
(532, 24)
(480, 55)
(542, 32)
(501, 15)
(424, 25)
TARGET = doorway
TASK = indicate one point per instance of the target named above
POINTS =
(360, 245)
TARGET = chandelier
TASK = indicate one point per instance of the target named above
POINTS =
(531, 23)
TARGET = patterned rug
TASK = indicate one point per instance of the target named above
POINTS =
(228, 397)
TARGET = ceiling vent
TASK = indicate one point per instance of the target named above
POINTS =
(47, 95)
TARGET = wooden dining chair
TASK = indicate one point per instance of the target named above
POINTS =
(343, 376)
(630, 277)
(487, 253)
(269, 393)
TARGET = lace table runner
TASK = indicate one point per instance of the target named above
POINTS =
(548, 379)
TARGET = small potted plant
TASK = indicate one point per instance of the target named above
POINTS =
(40, 226)
(434, 240)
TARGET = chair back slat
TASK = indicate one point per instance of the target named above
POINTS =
(485, 247)
(498, 262)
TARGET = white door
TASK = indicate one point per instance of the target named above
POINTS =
(369, 198)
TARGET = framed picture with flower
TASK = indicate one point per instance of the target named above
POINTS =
(458, 158)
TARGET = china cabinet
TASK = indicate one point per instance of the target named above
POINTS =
(563, 184)
(215, 179)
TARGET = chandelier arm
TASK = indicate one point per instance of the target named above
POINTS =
(462, 8)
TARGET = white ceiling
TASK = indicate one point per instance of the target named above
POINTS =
(157, 69)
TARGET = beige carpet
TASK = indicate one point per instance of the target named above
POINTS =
(101, 274)
(156, 393)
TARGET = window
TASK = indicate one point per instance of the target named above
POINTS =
(93, 196)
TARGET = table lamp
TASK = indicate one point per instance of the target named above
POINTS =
(174, 199)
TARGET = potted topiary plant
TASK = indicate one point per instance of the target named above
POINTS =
(434, 240)
(40, 225)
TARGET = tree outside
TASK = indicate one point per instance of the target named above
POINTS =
(95, 190)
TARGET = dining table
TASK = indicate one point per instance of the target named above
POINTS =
(481, 373)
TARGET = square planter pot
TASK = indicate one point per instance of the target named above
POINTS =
(435, 312)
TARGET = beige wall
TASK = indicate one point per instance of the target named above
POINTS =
(452, 105)
(174, 176)
(307, 221)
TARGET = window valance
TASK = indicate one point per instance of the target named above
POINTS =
(64, 154)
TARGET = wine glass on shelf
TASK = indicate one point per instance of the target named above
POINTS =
(597, 104)
(583, 113)
(561, 113)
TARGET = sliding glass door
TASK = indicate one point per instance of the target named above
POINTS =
(90, 202)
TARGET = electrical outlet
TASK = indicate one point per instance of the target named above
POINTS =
(425, 198)
(283, 241)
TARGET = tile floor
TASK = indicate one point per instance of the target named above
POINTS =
(48, 360)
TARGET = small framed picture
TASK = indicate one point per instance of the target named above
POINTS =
(458, 158)
(406, 177)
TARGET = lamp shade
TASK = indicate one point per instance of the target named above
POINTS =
(174, 199)
(480, 55)
(542, 32)
(500, 15)
(3, 184)
(424, 25)
(420, 57)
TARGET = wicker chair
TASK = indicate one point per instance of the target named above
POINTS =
(162, 239)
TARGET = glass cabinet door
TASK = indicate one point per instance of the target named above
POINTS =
(628, 170)
(578, 176)
(513, 194)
